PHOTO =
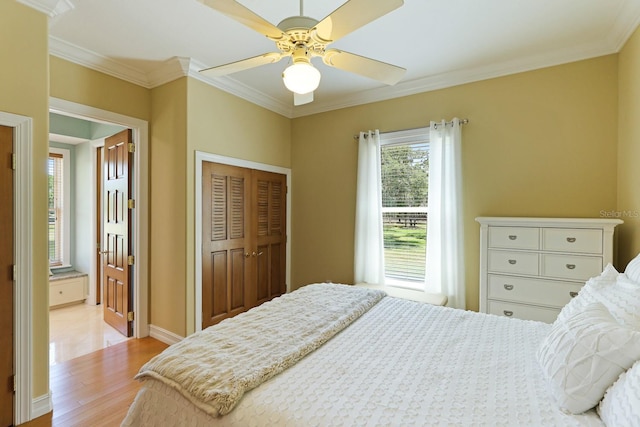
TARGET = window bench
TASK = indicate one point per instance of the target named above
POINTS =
(67, 288)
(410, 294)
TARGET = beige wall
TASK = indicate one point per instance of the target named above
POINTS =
(24, 88)
(167, 259)
(75, 83)
(628, 206)
(540, 143)
(222, 124)
(190, 116)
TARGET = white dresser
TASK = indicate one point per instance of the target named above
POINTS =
(531, 267)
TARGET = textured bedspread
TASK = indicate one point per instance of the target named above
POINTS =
(214, 368)
(400, 364)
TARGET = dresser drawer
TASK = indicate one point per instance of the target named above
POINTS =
(574, 240)
(554, 293)
(513, 262)
(520, 311)
(514, 237)
(571, 267)
(66, 291)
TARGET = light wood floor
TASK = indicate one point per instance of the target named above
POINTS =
(96, 389)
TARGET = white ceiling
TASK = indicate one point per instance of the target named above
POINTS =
(440, 42)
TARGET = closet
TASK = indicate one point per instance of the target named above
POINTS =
(243, 239)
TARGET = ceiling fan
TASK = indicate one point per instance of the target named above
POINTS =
(302, 38)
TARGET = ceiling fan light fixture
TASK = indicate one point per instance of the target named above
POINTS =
(301, 78)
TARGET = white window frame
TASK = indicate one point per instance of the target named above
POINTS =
(66, 206)
(409, 136)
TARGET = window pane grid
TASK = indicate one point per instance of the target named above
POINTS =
(55, 169)
(405, 178)
(405, 243)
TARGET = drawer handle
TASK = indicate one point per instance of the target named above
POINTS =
(512, 237)
(571, 239)
(507, 313)
(571, 266)
(508, 287)
(573, 294)
(512, 261)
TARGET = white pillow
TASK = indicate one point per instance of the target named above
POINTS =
(621, 403)
(623, 301)
(587, 294)
(584, 355)
(633, 269)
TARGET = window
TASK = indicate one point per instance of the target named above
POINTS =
(404, 164)
(59, 195)
(408, 222)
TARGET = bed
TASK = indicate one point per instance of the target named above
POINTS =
(385, 361)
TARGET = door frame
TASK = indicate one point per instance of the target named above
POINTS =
(94, 294)
(23, 217)
(140, 234)
(201, 157)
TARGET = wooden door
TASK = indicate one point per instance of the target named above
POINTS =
(225, 241)
(6, 277)
(243, 239)
(117, 298)
(269, 221)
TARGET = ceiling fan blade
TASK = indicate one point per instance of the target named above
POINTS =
(244, 64)
(352, 15)
(367, 67)
(301, 99)
(238, 12)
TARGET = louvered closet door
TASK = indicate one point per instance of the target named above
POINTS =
(269, 222)
(225, 241)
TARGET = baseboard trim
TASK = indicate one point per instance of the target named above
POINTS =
(41, 405)
(163, 335)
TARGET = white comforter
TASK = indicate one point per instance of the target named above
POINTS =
(215, 367)
(401, 364)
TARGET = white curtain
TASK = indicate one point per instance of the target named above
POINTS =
(445, 258)
(369, 245)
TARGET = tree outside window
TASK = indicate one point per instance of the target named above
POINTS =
(405, 187)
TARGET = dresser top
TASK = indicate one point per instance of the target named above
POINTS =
(607, 223)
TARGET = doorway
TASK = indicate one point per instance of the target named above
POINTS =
(89, 154)
(76, 246)
(22, 286)
(243, 239)
(6, 280)
(140, 191)
(201, 159)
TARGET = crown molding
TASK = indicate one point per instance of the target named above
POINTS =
(166, 71)
(50, 8)
(626, 23)
(86, 58)
(459, 77)
(176, 67)
(169, 70)
(234, 87)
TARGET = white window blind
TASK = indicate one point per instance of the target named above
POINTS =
(405, 185)
(56, 211)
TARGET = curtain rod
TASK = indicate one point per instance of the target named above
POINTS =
(462, 122)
